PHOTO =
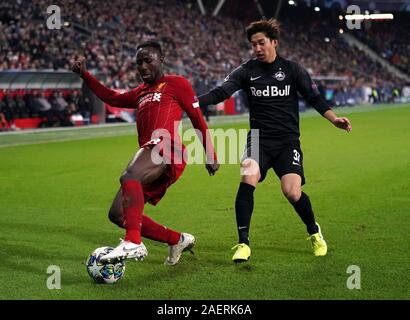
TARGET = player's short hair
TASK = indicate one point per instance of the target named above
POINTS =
(151, 44)
(269, 27)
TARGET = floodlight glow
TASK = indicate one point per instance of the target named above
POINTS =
(374, 16)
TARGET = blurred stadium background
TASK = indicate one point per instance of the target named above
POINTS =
(204, 40)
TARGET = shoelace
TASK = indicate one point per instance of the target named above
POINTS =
(311, 237)
(238, 245)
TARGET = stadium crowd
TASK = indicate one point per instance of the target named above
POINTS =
(390, 39)
(203, 48)
(54, 107)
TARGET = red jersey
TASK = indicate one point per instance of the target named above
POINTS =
(159, 106)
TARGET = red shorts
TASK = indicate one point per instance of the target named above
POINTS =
(154, 191)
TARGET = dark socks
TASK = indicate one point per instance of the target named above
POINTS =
(304, 209)
(243, 210)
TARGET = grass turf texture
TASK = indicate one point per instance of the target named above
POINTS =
(55, 197)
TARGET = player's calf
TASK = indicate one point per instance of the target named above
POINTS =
(116, 218)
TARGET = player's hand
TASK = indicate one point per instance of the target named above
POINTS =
(343, 123)
(212, 168)
(79, 66)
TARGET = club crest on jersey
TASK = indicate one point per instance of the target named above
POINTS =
(159, 87)
(280, 75)
(157, 97)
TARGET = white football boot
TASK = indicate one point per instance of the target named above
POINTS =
(126, 250)
(185, 243)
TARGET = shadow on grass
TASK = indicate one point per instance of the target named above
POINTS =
(59, 232)
(35, 244)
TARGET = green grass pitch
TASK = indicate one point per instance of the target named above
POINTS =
(54, 199)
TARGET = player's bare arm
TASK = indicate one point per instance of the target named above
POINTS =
(338, 122)
(194, 113)
(211, 165)
(111, 97)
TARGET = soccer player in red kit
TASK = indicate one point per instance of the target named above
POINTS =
(160, 102)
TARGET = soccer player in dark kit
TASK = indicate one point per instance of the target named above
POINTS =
(160, 102)
(272, 84)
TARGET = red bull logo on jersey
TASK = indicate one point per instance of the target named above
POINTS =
(271, 91)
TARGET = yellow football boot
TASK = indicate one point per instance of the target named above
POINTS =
(319, 245)
(242, 254)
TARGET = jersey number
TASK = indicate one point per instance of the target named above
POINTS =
(296, 155)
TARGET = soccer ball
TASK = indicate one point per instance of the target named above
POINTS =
(104, 272)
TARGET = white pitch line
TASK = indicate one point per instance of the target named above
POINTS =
(90, 135)
(71, 134)
(89, 127)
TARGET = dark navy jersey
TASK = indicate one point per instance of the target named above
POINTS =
(272, 92)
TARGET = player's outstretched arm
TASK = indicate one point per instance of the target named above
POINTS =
(198, 122)
(189, 103)
(111, 97)
(310, 92)
(232, 83)
(338, 122)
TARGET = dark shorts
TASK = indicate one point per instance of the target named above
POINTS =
(283, 158)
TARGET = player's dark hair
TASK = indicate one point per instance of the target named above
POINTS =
(151, 44)
(271, 28)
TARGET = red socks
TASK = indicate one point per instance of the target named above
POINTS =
(136, 223)
(133, 206)
(154, 231)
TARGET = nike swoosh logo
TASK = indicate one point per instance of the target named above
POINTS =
(125, 249)
(241, 228)
(255, 78)
(295, 163)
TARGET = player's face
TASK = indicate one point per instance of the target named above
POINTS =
(263, 47)
(149, 64)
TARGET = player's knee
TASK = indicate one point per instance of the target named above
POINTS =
(292, 193)
(143, 176)
(127, 175)
(124, 177)
(250, 172)
(252, 180)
